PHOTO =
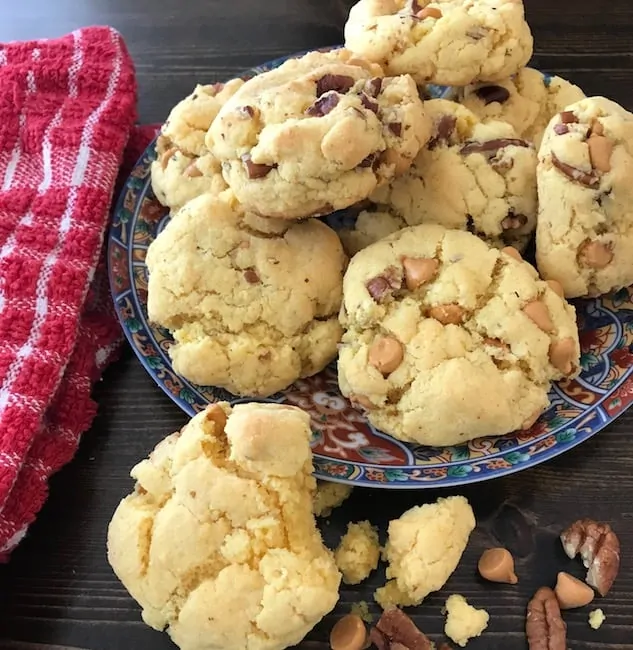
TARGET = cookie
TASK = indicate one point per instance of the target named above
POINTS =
(252, 303)
(358, 552)
(527, 101)
(585, 232)
(432, 315)
(424, 547)
(448, 42)
(218, 543)
(316, 135)
(184, 168)
(470, 176)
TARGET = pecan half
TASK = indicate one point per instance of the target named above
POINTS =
(491, 94)
(323, 105)
(589, 179)
(544, 625)
(492, 146)
(339, 82)
(599, 549)
(256, 170)
(396, 631)
(383, 285)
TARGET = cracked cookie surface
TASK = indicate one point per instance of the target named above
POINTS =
(184, 167)
(470, 176)
(431, 315)
(218, 542)
(584, 237)
(252, 303)
(423, 549)
(317, 134)
(527, 101)
(448, 42)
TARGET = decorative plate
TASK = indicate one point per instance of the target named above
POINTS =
(346, 447)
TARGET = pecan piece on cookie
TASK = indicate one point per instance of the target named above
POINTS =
(444, 129)
(544, 625)
(492, 146)
(339, 82)
(588, 179)
(323, 105)
(396, 631)
(514, 221)
(599, 549)
(383, 285)
(256, 170)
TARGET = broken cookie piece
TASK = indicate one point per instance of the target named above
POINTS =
(463, 621)
(328, 496)
(358, 553)
(218, 543)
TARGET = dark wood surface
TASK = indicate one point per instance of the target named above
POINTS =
(58, 591)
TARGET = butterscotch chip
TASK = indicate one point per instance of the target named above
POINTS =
(562, 354)
(386, 355)
(418, 271)
(447, 314)
(193, 171)
(538, 313)
(556, 287)
(513, 252)
(571, 592)
(497, 565)
(349, 633)
(600, 150)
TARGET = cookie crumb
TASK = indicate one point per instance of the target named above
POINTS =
(358, 552)
(596, 619)
(361, 609)
(463, 621)
(329, 496)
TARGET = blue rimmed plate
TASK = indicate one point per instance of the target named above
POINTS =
(346, 447)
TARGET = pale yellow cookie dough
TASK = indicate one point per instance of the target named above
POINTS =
(527, 101)
(432, 315)
(328, 496)
(423, 549)
(584, 238)
(449, 42)
(596, 619)
(463, 621)
(317, 134)
(358, 552)
(218, 543)
(252, 303)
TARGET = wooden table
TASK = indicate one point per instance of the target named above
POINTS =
(58, 592)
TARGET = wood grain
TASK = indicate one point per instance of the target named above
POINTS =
(58, 592)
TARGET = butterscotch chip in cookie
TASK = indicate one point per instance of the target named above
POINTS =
(218, 543)
(317, 134)
(416, 359)
(450, 42)
(584, 238)
(252, 303)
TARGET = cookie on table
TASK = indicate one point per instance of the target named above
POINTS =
(527, 101)
(252, 303)
(317, 134)
(184, 168)
(447, 42)
(473, 176)
(585, 177)
(217, 542)
(433, 315)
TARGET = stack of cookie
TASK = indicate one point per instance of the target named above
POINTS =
(437, 307)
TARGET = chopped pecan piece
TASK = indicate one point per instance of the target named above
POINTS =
(395, 128)
(396, 631)
(323, 105)
(368, 103)
(192, 170)
(429, 12)
(492, 146)
(382, 285)
(373, 87)
(599, 549)
(491, 94)
(568, 117)
(339, 82)
(164, 158)
(250, 275)
(514, 221)
(444, 129)
(589, 179)
(544, 625)
(246, 112)
(561, 129)
(256, 170)
(600, 150)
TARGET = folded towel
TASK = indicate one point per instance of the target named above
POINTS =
(67, 107)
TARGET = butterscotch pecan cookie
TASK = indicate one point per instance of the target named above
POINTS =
(473, 176)
(252, 302)
(317, 134)
(184, 167)
(451, 42)
(527, 101)
(432, 315)
(585, 230)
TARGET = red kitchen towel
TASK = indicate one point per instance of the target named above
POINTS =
(66, 109)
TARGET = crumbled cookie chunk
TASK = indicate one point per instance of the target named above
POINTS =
(328, 496)
(527, 101)
(584, 238)
(596, 619)
(450, 42)
(432, 315)
(252, 303)
(473, 176)
(218, 542)
(317, 134)
(361, 609)
(424, 547)
(358, 553)
(463, 621)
